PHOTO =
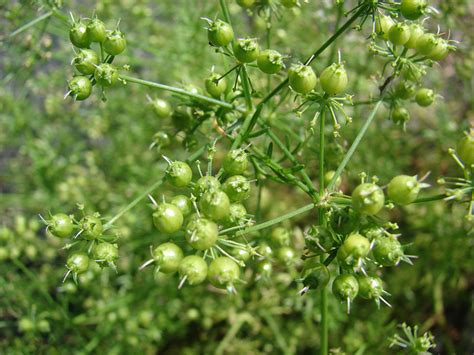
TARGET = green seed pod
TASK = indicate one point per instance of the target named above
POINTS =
(194, 268)
(223, 272)
(368, 199)
(413, 9)
(86, 61)
(465, 149)
(354, 248)
(235, 162)
(302, 78)
(246, 50)
(403, 189)
(168, 257)
(80, 87)
(215, 88)
(105, 253)
(399, 34)
(345, 287)
(334, 79)
(115, 42)
(220, 33)
(370, 287)
(78, 35)
(314, 274)
(96, 30)
(60, 225)
(400, 115)
(179, 174)
(270, 61)
(387, 251)
(383, 24)
(167, 218)
(424, 97)
(91, 226)
(237, 188)
(78, 263)
(106, 75)
(215, 205)
(201, 233)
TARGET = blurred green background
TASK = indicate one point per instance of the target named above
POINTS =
(55, 153)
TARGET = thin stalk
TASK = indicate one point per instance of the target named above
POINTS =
(246, 87)
(225, 11)
(430, 198)
(31, 24)
(340, 12)
(132, 204)
(322, 222)
(268, 45)
(179, 91)
(258, 212)
(271, 222)
(340, 31)
(354, 145)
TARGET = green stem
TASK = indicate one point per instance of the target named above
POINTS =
(322, 222)
(354, 145)
(269, 223)
(340, 12)
(132, 204)
(246, 87)
(102, 53)
(225, 11)
(31, 23)
(321, 151)
(179, 91)
(340, 31)
(430, 198)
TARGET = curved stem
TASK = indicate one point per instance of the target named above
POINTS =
(179, 91)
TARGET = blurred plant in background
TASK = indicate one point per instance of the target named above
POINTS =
(79, 158)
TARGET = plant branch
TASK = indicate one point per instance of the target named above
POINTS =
(354, 145)
(270, 222)
(179, 91)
